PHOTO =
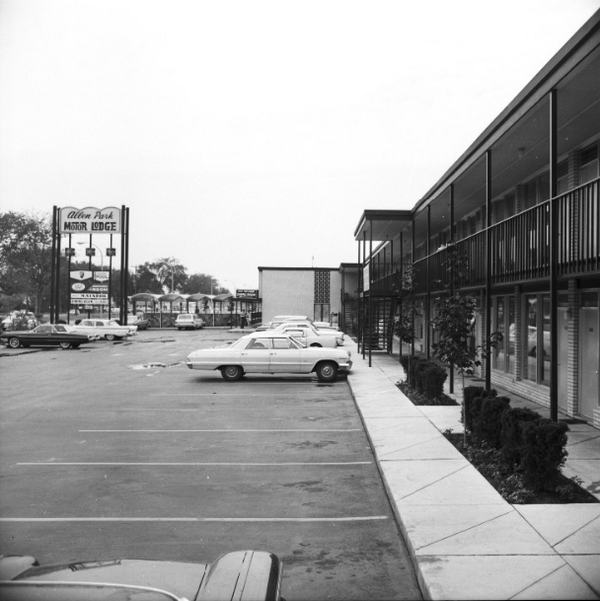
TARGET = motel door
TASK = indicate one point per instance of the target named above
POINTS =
(589, 360)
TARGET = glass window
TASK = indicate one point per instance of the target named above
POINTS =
(545, 375)
(510, 344)
(498, 356)
(282, 343)
(530, 339)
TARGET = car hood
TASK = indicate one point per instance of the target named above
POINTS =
(180, 578)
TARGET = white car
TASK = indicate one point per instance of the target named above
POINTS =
(271, 352)
(310, 335)
(103, 328)
(279, 319)
(324, 326)
(189, 321)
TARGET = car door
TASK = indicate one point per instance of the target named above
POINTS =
(256, 357)
(286, 357)
(40, 335)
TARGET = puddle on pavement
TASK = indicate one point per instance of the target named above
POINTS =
(155, 364)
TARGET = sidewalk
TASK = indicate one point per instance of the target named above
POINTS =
(467, 542)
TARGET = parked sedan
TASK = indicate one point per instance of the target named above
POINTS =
(46, 334)
(242, 575)
(104, 328)
(311, 335)
(272, 352)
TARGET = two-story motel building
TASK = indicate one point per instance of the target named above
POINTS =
(521, 206)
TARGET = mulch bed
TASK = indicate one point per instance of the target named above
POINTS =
(508, 483)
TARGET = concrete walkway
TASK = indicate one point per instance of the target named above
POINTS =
(467, 541)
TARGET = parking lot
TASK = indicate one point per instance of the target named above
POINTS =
(119, 450)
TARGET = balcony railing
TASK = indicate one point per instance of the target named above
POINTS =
(520, 247)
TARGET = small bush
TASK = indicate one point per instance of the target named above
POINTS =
(487, 424)
(433, 377)
(511, 432)
(544, 452)
(473, 402)
(417, 366)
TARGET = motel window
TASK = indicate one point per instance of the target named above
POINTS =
(590, 167)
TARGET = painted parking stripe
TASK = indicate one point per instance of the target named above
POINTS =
(365, 518)
(190, 463)
(232, 430)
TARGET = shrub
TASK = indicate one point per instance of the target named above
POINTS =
(417, 366)
(511, 433)
(433, 377)
(473, 397)
(544, 452)
(470, 393)
(487, 424)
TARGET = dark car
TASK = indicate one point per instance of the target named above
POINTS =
(46, 334)
(240, 575)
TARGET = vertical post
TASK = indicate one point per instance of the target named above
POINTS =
(400, 293)
(53, 270)
(57, 303)
(89, 251)
(69, 275)
(363, 317)
(110, 256)
(553, 257)
(370, 289)
(428, 296)
(488, 269)
(453, 259)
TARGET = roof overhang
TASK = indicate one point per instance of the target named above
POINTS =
(380, 225)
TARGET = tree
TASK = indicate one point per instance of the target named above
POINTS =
(170, 273)
(145, 280)
(25, 257)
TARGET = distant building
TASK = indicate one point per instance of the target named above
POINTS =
(521, 209)
(321, 293)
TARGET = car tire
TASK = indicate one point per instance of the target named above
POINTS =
(64, 345)
(231, 373)
(110, 337)
(316, 345)
(326, 371)
(14, 342)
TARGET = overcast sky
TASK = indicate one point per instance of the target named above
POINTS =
(247, 133)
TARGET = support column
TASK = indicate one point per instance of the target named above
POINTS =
(488, 270)
(552, 150)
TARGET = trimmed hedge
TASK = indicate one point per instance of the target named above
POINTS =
(511, 433)
(544, 451)
(528, 443)
(487, 423)
(473, 397)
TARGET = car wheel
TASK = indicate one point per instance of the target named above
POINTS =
(14, 342)
(110, 337)
(326, 371)
(64, 345)
(316, 344)
(232, 372)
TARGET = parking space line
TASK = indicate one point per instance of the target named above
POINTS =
(365, 518)
(190, 463)
(232, 430)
